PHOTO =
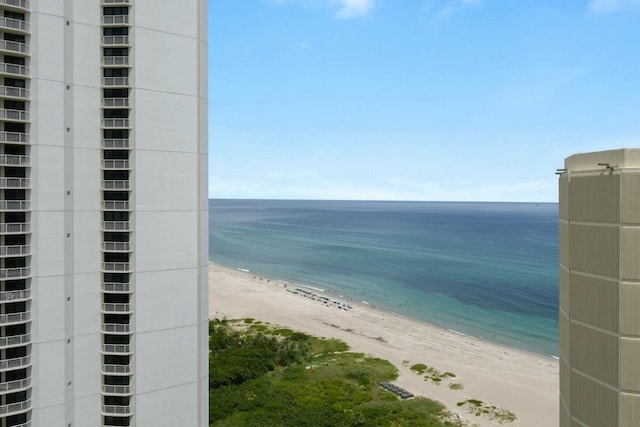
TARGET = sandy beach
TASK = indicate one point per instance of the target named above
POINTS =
(522, 382)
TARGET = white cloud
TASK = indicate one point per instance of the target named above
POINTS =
(601, 7)
(354, 8)
(347, 9)
(451, 6)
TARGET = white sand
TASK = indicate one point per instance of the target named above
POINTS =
(522, 382)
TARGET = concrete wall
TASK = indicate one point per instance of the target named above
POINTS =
(66, 241)
(170, 202)
(600, 289)
(170, 212)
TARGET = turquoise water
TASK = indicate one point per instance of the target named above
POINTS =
(488, 270)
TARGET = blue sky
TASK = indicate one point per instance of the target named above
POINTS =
(475, 100)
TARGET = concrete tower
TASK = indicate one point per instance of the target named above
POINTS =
(600, 289)
(103, 213)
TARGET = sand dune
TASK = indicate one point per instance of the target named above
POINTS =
(522, 382)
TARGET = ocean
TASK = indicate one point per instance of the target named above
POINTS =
(488, 270)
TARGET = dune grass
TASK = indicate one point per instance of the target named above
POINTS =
(432, 374)
(272, 376)
(486, 410)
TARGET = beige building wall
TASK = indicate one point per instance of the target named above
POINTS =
(600, 289)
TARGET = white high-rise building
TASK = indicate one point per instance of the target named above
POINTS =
(103, 213)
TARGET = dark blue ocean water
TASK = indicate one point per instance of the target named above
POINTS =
(485, 269)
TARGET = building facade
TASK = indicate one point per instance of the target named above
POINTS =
(103, 213)
(600, 289)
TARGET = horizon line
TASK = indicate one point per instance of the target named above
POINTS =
(376, 200)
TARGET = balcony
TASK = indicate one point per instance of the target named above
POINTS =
(14, 341)
(119, 308)
(14, 205)
(17, 385)
(116, 369)
(115, 20)
(112, 410)
(14, 160)
(15, 228)
(18, 363)
(115, 164)
(115, 61)
(14, 115)
(14, 137)
(121, 390)
(14, 69)
(15, 296)
(115, 185)
(14, 318)
(115, 123)
(12, 251)
(116, 288)
(23, 5)
(115, 40)
(15, 408)
(116, 349)
(14, 47)
(16, 250)
(116, 267)
(115, 81)
(15, 273)
(115, 144)
(116, 328)
(116, 226)
(15, 183)
(11, 24)
(116, 205)
(115, 102)
(14, 93)
(116, 247)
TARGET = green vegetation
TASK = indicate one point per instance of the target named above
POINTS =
(419, 368)
(432, 374)
(327, 345)
(471, 402)
(258, 327)
(492, 412)
(277, 377)
(456, 386)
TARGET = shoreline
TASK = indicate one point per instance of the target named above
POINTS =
(369, 305)
(523, 382)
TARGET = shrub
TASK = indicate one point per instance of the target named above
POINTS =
(259, 378)
(492, 412)
(419, 368)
